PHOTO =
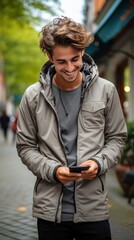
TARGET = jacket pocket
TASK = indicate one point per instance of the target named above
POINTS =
(93, 114)
(102, 184)
(37, 184)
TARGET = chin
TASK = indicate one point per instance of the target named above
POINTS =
(71, 80)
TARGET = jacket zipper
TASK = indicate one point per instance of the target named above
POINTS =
(62, 149)
(57, 123)
(58, 206)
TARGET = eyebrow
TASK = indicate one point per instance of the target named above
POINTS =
(58, 60)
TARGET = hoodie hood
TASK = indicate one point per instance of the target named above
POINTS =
(89, 71)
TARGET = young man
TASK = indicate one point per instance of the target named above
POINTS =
(70, 117)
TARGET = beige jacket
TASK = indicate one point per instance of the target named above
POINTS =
(101, 135)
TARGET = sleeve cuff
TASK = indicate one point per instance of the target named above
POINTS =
(54, 173)
(99, 166)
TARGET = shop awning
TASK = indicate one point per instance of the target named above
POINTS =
(118, 16)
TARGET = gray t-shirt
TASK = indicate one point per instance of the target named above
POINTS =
(67, 107)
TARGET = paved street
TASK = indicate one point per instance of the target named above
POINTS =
(16, 186)
(122, 214)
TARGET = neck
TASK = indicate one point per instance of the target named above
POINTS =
(62, 84)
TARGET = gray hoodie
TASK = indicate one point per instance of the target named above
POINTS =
(101, 136)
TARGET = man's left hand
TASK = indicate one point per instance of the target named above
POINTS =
(91, 172)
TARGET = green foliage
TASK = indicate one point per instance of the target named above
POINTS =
(128, 154)
(13, 9)
(20, 56)
(28, 11)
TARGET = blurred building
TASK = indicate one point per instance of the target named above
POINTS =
(112, 23)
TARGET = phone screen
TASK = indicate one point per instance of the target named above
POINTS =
(78, 168)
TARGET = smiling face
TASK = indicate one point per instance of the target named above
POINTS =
(67, 62)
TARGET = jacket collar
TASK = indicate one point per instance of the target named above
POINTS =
(89, 71)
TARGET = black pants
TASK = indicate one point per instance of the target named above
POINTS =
(69, 230)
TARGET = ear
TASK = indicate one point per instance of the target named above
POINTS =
(50, 57)
(82, 52)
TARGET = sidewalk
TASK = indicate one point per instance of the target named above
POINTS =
(16, 191)
(16, 186)
(122, 213)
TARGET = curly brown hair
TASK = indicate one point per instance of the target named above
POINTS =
(64, 31)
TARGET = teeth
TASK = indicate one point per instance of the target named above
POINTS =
(69, 72)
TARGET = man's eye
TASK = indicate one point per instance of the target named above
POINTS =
(75, 60)
(61, 62)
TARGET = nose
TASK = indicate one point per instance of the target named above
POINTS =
(69, 67)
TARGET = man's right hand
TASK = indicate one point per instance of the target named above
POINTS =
(64, 175)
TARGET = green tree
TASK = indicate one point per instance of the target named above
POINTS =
(19, 43)
(28, 11)
(22, 57)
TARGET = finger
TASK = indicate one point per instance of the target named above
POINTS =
(68, 178)
(88, 176)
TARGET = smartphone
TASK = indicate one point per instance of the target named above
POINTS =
(78, 169)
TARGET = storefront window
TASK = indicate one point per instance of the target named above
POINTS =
(123, 85)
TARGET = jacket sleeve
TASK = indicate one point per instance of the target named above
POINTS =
(27, 142)
(115, 133)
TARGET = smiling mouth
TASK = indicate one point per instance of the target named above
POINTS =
(70, 73)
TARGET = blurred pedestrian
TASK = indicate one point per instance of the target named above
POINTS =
(70, 117)
(4, 123)
(14, 126)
